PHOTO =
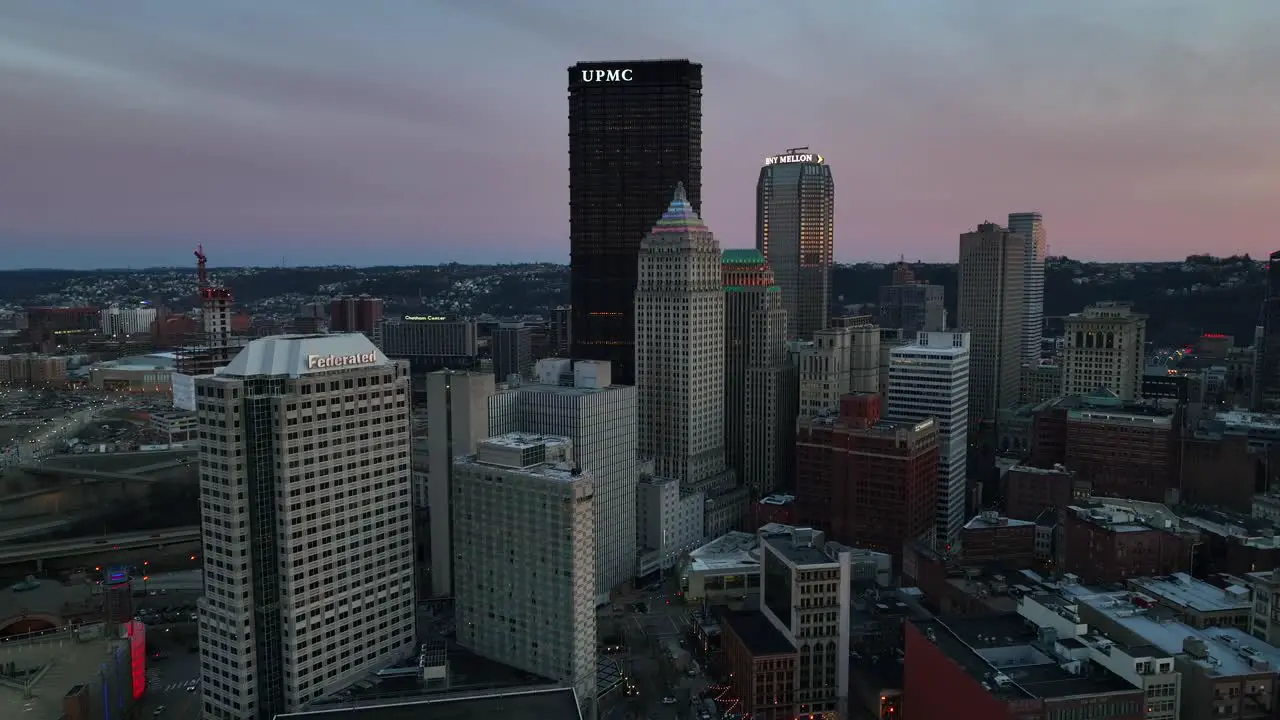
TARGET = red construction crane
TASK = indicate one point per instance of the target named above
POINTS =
(201, 260)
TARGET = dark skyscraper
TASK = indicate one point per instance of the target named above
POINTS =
(635, 131)
(795, 229)
(1266, 379)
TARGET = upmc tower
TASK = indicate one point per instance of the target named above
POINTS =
(635, 131)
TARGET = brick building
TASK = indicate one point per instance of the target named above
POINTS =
(777, 509)
(1122, 449)
(761, 664)
(1229, 458)
(992, 668)
(1105, 544)
(361, 314)
(1029, 491)
(993, 538)
(866, 481)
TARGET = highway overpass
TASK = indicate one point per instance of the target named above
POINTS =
(29, 552)
(74, 473)
(37, 528)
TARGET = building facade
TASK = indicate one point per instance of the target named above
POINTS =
(526, 559)
(759, 404)
(599, 418)
(512, 347)
(457, 419)
(867, 482)
(1030, 227)
(308, 532)
(635, 131)
(990, 301)
(795, 230)
(805, 595)
(912, 307)
(680, 371)
(1105, 348)
(136, 320)
(361, 314)
(930, 379)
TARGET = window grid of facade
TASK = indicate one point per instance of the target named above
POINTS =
(306, 528)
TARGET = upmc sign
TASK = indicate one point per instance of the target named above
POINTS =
(607, 75)
(323, 362)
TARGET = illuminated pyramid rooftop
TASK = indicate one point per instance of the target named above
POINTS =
(680, 216)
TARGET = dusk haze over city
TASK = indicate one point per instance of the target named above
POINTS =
(646, 360)
(417, 132)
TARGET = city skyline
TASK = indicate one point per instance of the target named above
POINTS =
(327, 135)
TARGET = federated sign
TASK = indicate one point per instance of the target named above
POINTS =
(788, 159)
(326, 362)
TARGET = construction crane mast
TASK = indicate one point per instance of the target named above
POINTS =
(201, 262)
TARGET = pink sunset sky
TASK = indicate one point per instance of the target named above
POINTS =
(413, 131)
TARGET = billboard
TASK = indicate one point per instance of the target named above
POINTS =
(184, 391)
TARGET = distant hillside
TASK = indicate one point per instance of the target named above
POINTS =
(1183, 300)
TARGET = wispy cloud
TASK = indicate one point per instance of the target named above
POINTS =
(1141, 128)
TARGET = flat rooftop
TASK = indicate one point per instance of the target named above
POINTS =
(539, 704)
(1182, 590)
(980, 522)
(1231, 652)
(1002, 645)
(731, 551)
(523, 441)
(757, 633)
(802, 546)
(67, 659)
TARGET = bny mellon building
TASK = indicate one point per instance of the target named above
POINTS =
(679, 307)
(306, 518)
(795, 229)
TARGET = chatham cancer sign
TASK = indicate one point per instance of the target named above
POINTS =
(324, 362)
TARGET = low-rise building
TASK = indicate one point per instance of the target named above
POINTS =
(177, 426)
(1225, 671)
(724, 571)
(137, 374)
(1146, 667)
(1197, 603)
(991, 537)
(1029, 491)
(1105, 543)
(762, 666)
(1264, 621)
(1228, 456)
(777, 508)
(32, 370)
(999, 667)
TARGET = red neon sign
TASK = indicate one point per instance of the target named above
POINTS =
(138, 657)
